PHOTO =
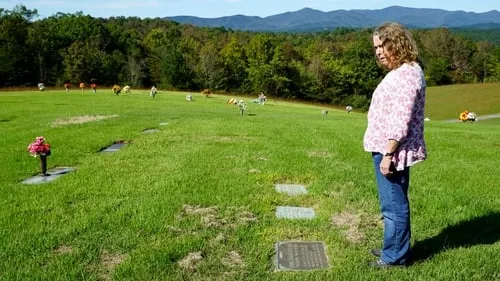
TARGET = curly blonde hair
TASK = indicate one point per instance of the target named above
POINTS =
(398, 41)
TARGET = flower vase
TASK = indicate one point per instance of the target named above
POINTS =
(43, 165)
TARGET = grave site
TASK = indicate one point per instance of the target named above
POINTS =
(171, 188)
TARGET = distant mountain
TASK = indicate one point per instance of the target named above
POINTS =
(313, 20)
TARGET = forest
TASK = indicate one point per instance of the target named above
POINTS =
(335, 66)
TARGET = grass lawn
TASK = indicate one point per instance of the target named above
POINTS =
(446, 102)
(196, 200)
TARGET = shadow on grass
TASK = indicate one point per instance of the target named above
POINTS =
(481, 230)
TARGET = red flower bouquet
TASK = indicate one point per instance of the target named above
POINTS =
(39, 147)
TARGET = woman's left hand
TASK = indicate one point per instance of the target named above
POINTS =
(385, 166)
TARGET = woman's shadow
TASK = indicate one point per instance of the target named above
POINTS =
(481, 230)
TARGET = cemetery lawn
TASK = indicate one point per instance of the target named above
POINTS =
(196, 200)
(446, 102)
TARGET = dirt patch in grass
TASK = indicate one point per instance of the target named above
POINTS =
(63, 250)
(209, 215)
(213, 221)
(352, 224)
(240, 215)
(221, 238)
(197, 210)
(336, 189)
(348, 184)
(376, 221)
(245, 217)
(333, 194)
(213, 217)
(173, 229)
(217, 225)
(226, 139)
(319, 154)
(349, 223)
(108, 264)
(190, 261)
(233, 259)
(81, 119)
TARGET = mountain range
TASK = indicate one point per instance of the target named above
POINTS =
(308, 19)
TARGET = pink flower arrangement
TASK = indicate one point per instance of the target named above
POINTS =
(39, 147)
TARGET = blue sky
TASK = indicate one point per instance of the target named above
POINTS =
(219, 8)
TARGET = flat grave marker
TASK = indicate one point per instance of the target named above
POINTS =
(114, 147)
(291, 189)
(54, 174)
(150, 131)
(297, 213)
(295, 256)
(163, 123)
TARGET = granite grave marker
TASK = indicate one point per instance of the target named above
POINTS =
(114, 147)
(292, 256)
(291, 189)
(54, 174)
(286, 212)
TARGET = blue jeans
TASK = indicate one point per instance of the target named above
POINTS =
(395, 207)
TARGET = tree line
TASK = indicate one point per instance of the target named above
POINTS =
(335, 66)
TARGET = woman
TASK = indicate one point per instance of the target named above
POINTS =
(395, 136)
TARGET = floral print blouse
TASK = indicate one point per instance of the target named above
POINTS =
(397, 112)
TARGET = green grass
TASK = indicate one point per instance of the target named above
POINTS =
(135, 214)
(446, 102)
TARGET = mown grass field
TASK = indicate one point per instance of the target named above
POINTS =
(196, 200)
(446, 102)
